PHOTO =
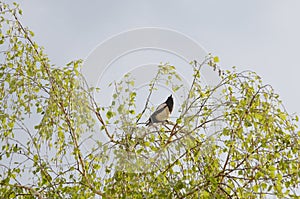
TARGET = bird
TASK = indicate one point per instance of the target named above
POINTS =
(162, 112)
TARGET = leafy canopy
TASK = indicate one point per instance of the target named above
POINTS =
(233, 139)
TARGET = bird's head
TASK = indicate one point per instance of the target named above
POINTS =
(170, 103)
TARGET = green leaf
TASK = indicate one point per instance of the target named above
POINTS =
(216, 59)
(178, 120)
(109, 114)
(120, 109)
(264, 186)
(255, 188)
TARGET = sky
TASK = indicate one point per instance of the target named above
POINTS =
(257, 35)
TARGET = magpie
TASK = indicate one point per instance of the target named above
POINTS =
(162, 112)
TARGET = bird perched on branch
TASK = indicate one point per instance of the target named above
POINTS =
(162, 112)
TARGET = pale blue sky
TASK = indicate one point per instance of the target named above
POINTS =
(258, 35)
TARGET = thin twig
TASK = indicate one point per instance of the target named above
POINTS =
(148, 98)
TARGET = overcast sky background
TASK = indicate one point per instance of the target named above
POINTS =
(258, 35)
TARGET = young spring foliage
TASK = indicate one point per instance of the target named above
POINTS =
(233, 139)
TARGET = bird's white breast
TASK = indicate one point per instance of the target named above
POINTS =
(162, 114)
